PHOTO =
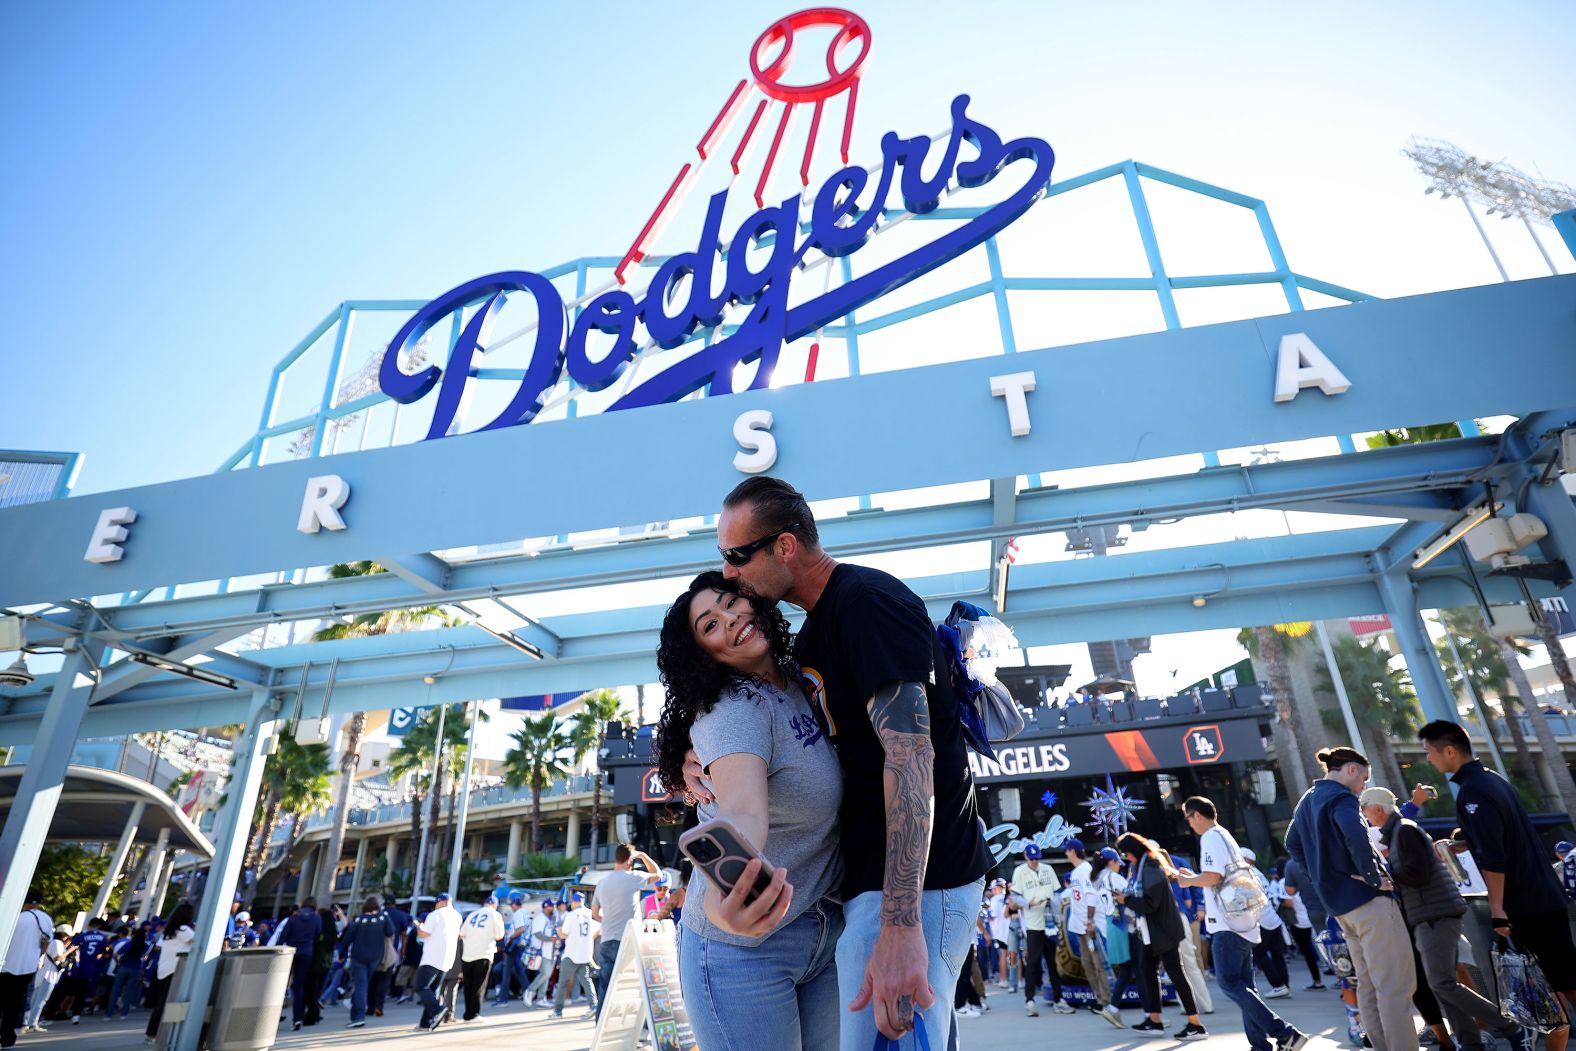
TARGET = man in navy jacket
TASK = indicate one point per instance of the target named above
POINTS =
(1329, 839)
(301, 933)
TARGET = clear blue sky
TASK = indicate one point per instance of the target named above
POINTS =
(189, 187)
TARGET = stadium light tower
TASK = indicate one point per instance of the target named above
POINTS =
(1504, 190)
(1451, 172)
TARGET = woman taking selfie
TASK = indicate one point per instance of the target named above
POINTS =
(760, 975)
(1148, 895)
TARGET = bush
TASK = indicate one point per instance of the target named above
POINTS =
(545, 866)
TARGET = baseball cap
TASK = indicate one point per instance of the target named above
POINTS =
(1564, 846)
(443, 895)
(492, 899)
(1109, 854)
(577, 896)
(243, 917)
(1377, 796)
(663, 881)
(1032, 852)
(1074, 844)
(548, 903)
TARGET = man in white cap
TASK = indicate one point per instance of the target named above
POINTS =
(577, 934)
(1038, 885)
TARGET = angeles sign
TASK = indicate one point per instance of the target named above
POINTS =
(841, 219)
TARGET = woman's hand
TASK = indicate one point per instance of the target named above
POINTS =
(757, 918)
(694, 790)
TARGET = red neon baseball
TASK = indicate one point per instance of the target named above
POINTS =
(850, 30)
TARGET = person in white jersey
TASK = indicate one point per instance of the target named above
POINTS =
(440, 940)
(578, 933)
(479, 937)
(1086, 925)
(29, 938)
(1232, 952)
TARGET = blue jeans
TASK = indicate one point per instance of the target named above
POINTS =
(332, 983)
(606, 956)
(427, 982)
(126, 992)
(1233, 956)
(780, 995)
(947, 917)
(360, 978)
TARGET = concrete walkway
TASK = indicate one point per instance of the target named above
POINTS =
(514, 1028)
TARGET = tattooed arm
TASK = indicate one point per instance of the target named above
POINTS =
(900, 713)
(896, 977)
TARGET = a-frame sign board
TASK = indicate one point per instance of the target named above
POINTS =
(643, 996)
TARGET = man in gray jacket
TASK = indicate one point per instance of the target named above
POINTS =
(1433, 908)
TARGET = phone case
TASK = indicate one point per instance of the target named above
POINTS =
(734, 853)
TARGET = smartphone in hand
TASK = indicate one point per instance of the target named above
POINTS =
(720, 850)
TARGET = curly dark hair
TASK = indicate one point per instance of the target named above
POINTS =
(693, 681)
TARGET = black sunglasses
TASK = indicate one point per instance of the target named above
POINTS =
(741, 555)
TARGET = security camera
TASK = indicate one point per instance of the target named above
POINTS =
(17, 674)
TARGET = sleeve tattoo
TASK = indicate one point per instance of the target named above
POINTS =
(900, 713)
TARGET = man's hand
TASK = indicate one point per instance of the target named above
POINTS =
(896, 980)
(1420, 795)
(694, 791)
(757, 918)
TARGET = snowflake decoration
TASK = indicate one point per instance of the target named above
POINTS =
(1049, 799)
(1112, 809)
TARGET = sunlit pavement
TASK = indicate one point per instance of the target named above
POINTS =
(1004, 1026)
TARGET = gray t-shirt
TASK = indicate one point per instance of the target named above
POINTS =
(616, 893)
(804, 790)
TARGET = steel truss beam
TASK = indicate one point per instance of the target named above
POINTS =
(1442, 472)
(1264, 580)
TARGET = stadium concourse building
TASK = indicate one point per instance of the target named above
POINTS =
(881, 321)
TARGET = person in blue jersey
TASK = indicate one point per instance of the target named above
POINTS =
(758, 976)
(79, 987)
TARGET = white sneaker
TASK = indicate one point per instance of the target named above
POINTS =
(1276, 992)
(969, 1011)
(1030, 1010)
(1062, 1007)
(530, 999)
(1112, 1015)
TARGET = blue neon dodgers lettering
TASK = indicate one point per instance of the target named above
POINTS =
(841, 219)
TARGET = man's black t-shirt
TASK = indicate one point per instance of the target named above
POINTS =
(866, 631)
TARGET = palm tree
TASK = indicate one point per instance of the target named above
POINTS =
(363, 626)
(1382, 699)
(1486, 671)
(1562, 665)
(536, 759)
(598, 708)
(295, 783)
(1271, 646)
(415, 756)
(1553, 758)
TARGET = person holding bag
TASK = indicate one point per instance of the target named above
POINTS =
(1159, 928)
(1232, 903)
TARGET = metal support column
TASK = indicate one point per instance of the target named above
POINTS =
(118, 861)
(229, 841)
(1428, 678)
(158, 857)
(33, 808)
(465, 804)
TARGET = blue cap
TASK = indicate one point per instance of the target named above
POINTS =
(1032, 852)
(662, 880)
(516, 896)
(1564, 845)
(443, 895)
(577, 896)
(1074, 844)
(492, 899)
(1109, 854)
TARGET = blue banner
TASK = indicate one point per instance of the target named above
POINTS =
(539, 702)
